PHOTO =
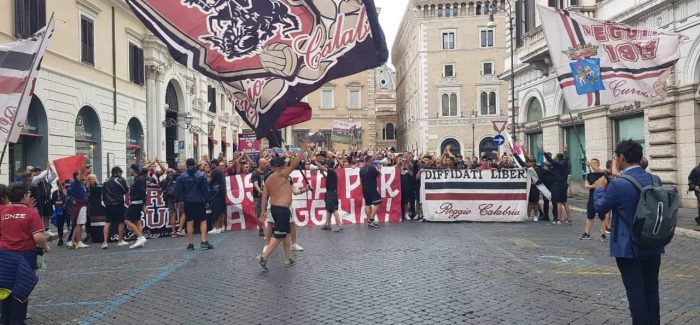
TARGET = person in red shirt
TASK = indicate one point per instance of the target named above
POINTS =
(21, 231)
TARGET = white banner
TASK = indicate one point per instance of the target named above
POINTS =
(19, 68)
(475, 195)
(604, 62)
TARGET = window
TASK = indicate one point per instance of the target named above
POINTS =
(447, 11)
(448, 70)
(448, 41)
(354, 98)
(30, 16)
(534, 110)
(455, 11)
(488, 103)
(211, 97)
(300, 135)
(87, 41)
(136, 72)
(328, 135)
(327, 98)
(630, 128)
(449, 104)
(478, 8)
(487, 38)
(439, 11)
(487, 68)
(389, 132)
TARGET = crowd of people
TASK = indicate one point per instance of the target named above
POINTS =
(195, 196)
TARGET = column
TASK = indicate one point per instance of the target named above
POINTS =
(160, 112)
(153, 125)
(189, 97)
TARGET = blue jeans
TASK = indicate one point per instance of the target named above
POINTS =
(641, 279)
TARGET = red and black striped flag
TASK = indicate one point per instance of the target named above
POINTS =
(19, 67)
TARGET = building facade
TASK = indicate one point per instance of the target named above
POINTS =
(367, 98)
(106, 89)
(668, 130)
(447, 58)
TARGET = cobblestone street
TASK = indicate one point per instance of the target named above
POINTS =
(409, 273)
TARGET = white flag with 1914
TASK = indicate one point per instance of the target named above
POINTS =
(19, 67)
(604, 62)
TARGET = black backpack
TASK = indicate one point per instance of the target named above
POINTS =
(656, 214)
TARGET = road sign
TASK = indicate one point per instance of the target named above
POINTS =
(499, 140)
(499, 126)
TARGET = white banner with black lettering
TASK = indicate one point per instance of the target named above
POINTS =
(497, 195)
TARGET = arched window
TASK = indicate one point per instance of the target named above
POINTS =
(439, 11)
(488, 148)
(445, 105)
(88, 139)
(534, 110)
(455, 10)
(492, 103)
(484, 103)
(478, 8)
(454, 146)
(389, 131)
(171, 98)
(488, 103)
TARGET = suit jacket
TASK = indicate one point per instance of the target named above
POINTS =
(621, 197)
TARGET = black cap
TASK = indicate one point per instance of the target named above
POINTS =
(277, 162)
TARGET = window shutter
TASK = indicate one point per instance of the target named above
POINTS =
(40, 15)
(552, 3)
(83, 42)
(132, 64)
(21, 19)
(484, 103)
(91, 42)
(492, 103)
(518, 23)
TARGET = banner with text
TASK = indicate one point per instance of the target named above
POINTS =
(475, 195)
(309, 208)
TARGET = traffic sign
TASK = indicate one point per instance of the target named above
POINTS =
(499, 140)
(499, 126)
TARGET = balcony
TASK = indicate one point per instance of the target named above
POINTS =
(534, 49)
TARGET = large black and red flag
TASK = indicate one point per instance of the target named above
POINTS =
(268, 54)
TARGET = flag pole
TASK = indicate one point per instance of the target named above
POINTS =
(583, 150)
(24, 92)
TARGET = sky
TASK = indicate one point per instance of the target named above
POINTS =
(390, 18)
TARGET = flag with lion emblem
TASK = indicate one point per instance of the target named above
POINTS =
(268, 54)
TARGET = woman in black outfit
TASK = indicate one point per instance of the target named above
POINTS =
(96, 211)
(58, 200)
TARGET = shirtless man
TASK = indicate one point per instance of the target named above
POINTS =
(279, 192)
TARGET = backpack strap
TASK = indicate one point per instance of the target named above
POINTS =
(633, 180)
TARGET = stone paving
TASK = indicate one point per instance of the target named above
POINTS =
(408, 273)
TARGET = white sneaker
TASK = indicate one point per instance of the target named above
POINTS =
(536, 219)
(182, 233)
(70, 244)
(123, 243)
(214, 231)
(104, 245)
(50, 233)
(297, 247)
(140, 242)
(81, 245)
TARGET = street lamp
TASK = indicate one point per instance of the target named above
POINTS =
(491, 24)
(171, 122)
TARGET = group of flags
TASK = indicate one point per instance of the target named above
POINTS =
(269, 54)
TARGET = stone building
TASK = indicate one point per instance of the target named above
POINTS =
(367, 98)
(105, 90)
(447, 61)
(668, 130)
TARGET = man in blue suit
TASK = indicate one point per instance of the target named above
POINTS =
(639, 268)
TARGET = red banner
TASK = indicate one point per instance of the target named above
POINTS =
(309, 208)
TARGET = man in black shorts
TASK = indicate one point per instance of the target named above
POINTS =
(192, 189)
(368, 178)
(278, 191)
(137, 205)
(113, 196)
(595, 174)
(258, 179)
(327, 169)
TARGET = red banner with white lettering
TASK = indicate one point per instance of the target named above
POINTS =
(309, 208)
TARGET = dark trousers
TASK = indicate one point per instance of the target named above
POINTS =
(61, 221)
(13, 311)
(641, 278)
(546, 210)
